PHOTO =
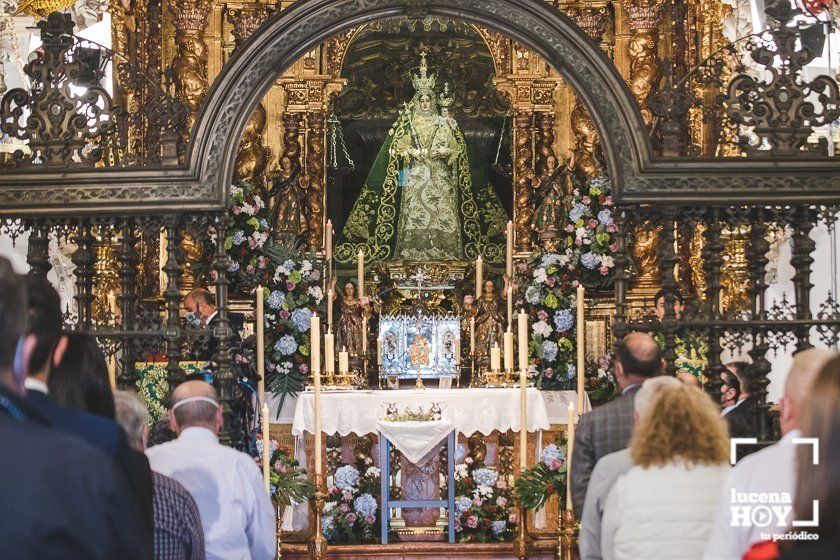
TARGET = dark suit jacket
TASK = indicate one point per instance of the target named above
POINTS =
(206, 347)
(604, 430)
(63, 499)
(107, 436)
(742, 418)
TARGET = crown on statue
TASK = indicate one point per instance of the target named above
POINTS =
(445, 100)
(423, 82)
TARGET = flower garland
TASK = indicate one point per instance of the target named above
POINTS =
(351, 512)
(484, 509)
(547, 478)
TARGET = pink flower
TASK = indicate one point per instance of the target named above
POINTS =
(586, 200)
(284, 314)
(315, 274)
(608, 201)
(370, 519)
(334, 490)
(290, 285)
(604, 271)
(304, 369)
(542, 314)
(575, 283)
(347, 494)
(249, 269)
(570, 228)
(578, 241)
(477, 502)
(556, 464)
(576, 192)
(251, 242)
(468, 460)
(344, 507)
(551, 281)
(593, 224)
(513, 518)
(472, 521)
(279, 466)
(548, 373)
(350, 517)
(501, 501)
(614, 247)
(612, 228)
(501, 484)
(237, 210)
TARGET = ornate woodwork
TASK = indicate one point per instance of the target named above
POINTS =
(190, 64)
(645, 66)
(523, 169)
(317, 175)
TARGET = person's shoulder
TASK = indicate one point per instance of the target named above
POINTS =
(168, 486)
(615, 406)
(763, 458)
(617, 460)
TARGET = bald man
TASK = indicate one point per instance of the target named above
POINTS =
(771, 471)
(608, 428)
(236, 513)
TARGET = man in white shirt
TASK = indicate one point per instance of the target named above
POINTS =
(740, 523)
(608, 469)
(236, 513)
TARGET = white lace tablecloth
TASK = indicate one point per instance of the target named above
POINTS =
(416, 440)
(469, 410)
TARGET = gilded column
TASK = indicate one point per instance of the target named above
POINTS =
(291, 139)
(523, 173)
(252, 158)
(544, 142)
(190, 63)
(315, 172)
(645, 66)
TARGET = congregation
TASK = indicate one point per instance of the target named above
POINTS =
(651, 474)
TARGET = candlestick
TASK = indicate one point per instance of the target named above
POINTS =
(162, 252)
(330, 296)
(581, 331)
(259, 321)
(472, 336)
(510, 306)
(328, 233)
(266, 454)
(364, 336)
(509, 252)
(329, 352)
(360, 273)
(112, 372)
(570, 443)
(315, 345)
(343, 361)
(456, 349)
(523, 340)
(379, 351)
(495, 357)
(479, 276)
(508, 341)
(523, 421)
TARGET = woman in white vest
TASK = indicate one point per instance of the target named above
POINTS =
(664, 506)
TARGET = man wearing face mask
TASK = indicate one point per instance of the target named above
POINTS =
(201, 313)
(48, 508)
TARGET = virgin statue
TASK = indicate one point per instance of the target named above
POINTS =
(489, 322)
(349, 328)
(418, 202)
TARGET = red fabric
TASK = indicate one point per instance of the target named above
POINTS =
(766, 550)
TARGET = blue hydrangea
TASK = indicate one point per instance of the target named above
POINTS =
(532, 295)
(549, 259)
(346, 477)
(551, 453)
(275, 299)
(301, 317)
(564, 320)
(234, 266)
(365, 505)
(462, 504)
(498, 526)
(238, 237)
(485, 477)
(263, 223)
(589, 260)
(327, 522)
(286, 345)
(549, 350)
(577, 211)
(605, 217)
(289, 265)
(571, 371)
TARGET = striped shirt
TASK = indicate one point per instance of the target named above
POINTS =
(178, 533)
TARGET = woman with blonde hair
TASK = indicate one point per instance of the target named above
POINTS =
(664, 506)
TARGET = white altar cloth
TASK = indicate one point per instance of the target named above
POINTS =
(469, 410)
(415, 440)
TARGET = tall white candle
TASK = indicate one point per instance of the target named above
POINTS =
(508, 350)
(570, 438)
(266, 455)
(379, 350)
(343, 361)
(479, 276)
(315, 344)
(317, 404)
(523, 340)
(260, 331)
(495, 357)
(581, 338)
(509, 252)
(472, 335)
(329, 352)
(364, 335)
(330, 297)
(523, 420)
(456, 350)
(328, 234)
(510, 306)
(360, 273)
(315, 351)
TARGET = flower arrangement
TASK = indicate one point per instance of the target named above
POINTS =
(393, 414)
(588, 243)
(484, 510)
(600, 384)
(246, 237)
(547, 478)
(550, 304)
(351, 512)
(288, 482)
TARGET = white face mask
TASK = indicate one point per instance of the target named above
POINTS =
(193, 319)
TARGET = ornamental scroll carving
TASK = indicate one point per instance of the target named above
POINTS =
(190, 63)
(523, 166)
(645, 66)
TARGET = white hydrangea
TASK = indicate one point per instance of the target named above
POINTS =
(316, 292)
(540, 275)
(607, 261)
(461, 472)
(542, 328)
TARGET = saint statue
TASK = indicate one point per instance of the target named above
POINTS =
(418, 202)
(553, 191)
(489, 322)
(352, 309)
(285, 200)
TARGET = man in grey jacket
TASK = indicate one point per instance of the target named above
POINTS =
(608, 428)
